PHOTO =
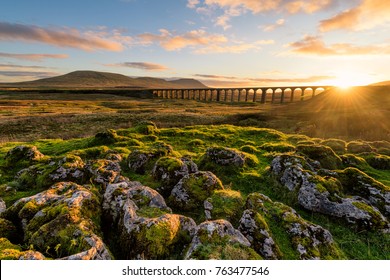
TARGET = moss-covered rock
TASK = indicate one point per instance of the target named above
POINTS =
(325, 155)
(107, 137)
(254, 227)
(61, 221)
(358, 183)
(3, 206)
(224, 204)
(7, 229)
(9, 251)
(309, 240)
(279, 147)
(337, 145)
(23, 154)
(141, 160)
(356, 147)
(193, 189)
(144, 227)
(352, 160)
(219, 240)
(103, 172)
(227, 157)
(147, 128)
(381, 162)
(170, 170)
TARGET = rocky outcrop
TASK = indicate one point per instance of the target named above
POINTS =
(227, 157)
(23, 153)
(255, 229)
(140, 160)
(61, 221)
(2, 205)
(169, 171)
(193, 189)
(309, 240)
(212, 237)
(326, 194)
(145, 227)
(69, 168)
(323, 154)
(103, 172)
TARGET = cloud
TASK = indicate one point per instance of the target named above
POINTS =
(258, 6)
(172, 42)
(141, 65)
(369, 14)
(233, 48)
(35, 74)
(33, 56)
(272, 27)
(15, 66)
(232, 81)
(314, 45)
(64, 37)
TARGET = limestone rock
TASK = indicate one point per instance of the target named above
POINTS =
(255, 229)
(32, 255)
(169, 171)
(216, 233)
(225, 157)
(23, 153)
(103, 172)
(2, 205)
(59, 221)
(193, 189)
(138, 160)
(325, 155)
(69, 168)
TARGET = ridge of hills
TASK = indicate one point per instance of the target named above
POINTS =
(95, 79)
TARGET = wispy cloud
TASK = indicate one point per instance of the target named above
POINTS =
(314, 45)
(63, 37)
(170, 41)
(34, 74)
(141, 65)
(199, 41)
(234, 81)
(368, 14)
(272, 27)
(234, 8)
(33, 56)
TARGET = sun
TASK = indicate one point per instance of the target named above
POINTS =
(347, 79)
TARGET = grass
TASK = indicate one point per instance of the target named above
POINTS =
(65, 124)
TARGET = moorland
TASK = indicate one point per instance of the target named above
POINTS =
(105, 176)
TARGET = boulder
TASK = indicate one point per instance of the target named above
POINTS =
(255, 229)
(169, 171)
(219, 240)
(69, 168)
(193, 189)
(60, 221)
(103, 172)
(323, 154)
(310, 241)
(144, 226)
(140, 160)
(23, 153)
(228, 157)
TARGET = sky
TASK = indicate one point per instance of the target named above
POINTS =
(222, 43)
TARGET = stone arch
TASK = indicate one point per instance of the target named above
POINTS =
(288, 94)
(257, 94)
(318, 90)
(249, 95)
(277, 95)
(307, 93)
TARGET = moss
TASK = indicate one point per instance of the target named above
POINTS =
(107, 137)
(278, 147)
(356, 147)
(225, 252)
(91, 153)
(376, 217)
(169, 163)
(227, 205)
(9, 251)
(150, 212)
(379, 161)
(196, 143)
(325, 155)
(147, 128)
(249, 149)
(7, 229)
(29, 210)
(337, 145)
(353, 160)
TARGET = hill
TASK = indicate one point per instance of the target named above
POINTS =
(384, 83)
(94, 79)
(358, 112)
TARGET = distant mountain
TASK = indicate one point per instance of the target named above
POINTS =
(94, 79)
(384, 83)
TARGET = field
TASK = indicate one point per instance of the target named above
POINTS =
(337, 143)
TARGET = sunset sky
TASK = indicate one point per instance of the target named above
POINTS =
(220, 42)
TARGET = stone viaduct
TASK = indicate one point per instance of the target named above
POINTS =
(248, 94)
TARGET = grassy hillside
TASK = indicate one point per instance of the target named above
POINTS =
(94, 79)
